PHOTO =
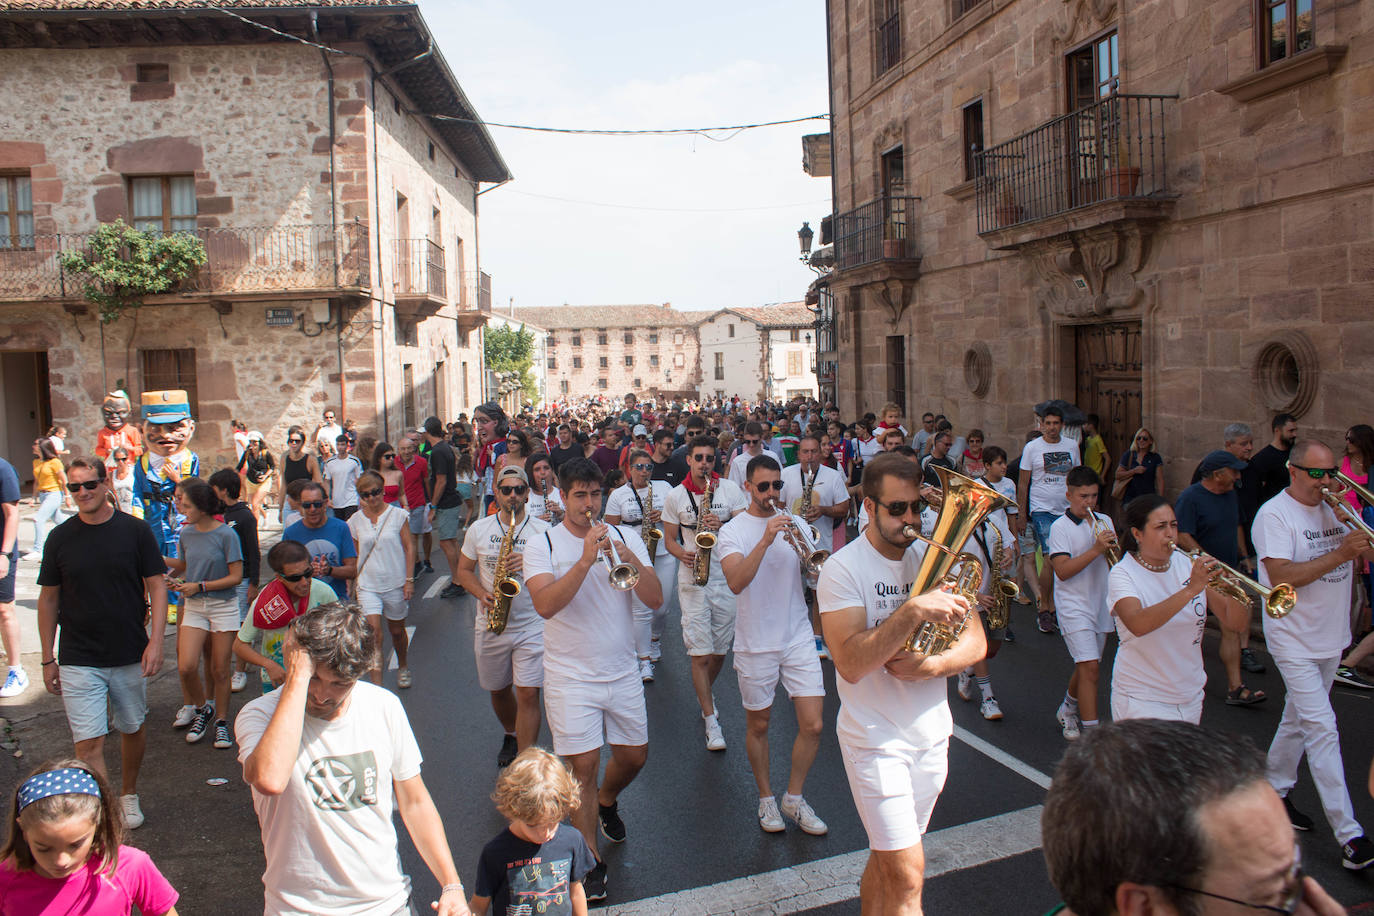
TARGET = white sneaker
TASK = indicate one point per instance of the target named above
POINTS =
(965, 685)
(16, 682)
(1069, 722)
(990, 710)
(805, 817)
(646, 671)
(715, 739)
(237, 681)
(769, 818)
(133, 814)
(655, 651)
(184, 716)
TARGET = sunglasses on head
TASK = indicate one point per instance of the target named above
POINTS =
(1315, 473)
(313, 504)
(308, 574)
(767, 485)
(368, 494)
(84, 485)
(518, 490)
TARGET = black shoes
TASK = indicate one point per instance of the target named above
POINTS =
(1358, 853)
(508, 751)
(612, 827)
(1299, 820)
(594, 884)
(1250, 663)
(452, 590)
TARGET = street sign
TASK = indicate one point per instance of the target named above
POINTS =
(281, 318)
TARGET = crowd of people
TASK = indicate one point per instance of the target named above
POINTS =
(783, 535)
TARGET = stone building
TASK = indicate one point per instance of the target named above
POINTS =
(613, 350)
(758, 353)
(1161, 211)
(338, 213)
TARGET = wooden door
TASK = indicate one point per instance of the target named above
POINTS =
(1108, 374)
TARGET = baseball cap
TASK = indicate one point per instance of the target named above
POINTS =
(511, 470)
(641, 430)
(1218, 459)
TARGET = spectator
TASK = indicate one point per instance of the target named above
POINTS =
(49, 482)
(341, 474)
(257, 467)
(1141, 471)
(122, 479)
(1267, 475)
(16, 680)
(1095, 454)
(971, 463)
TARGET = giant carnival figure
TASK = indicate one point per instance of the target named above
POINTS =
(167, 430)
(117, 432)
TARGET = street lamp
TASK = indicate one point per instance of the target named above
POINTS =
(804, 236)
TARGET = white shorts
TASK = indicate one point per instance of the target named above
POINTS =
(419, 520)
(708, 618)
(1084, 645)
(214, 615)
(758, 672)
(392, 603)
(1129, 707)
(895, 790)
(580, 714)
(513, 657)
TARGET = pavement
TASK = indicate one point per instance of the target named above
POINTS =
(694, 845)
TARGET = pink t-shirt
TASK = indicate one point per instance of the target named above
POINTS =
(136, 881)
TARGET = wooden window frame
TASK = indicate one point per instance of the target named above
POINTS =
(1092, 45)
(973, 145)
(887, 51)
(167, 214)
(15, 236)
(577, 362)
(604, 362)
(602, 339)
(629, 360)
(1262, 43)
(181, 379)
(577, 340)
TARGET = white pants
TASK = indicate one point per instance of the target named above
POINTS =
(649, 622)
(1309, 725)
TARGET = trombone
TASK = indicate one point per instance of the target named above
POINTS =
(622, 576)
(1344, 512)
(811, 560)
(1279, 600)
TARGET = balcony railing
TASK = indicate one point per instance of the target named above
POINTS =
(420, 269)
(476, 291)
(882, 229)
(238, 260)
(1111, 150)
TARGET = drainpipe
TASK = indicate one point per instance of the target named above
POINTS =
(333, 186)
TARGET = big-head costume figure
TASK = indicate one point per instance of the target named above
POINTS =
(167, 430)
(118, 431)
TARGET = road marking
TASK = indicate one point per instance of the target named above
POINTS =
(836, 879)
(435, 587)
(1017, 766)
(410, 638)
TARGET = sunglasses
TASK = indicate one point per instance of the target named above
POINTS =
(518, 490)
(642, 467)
(313, 504)
(295, 441)
(703, 457)
(1315, 473)
(308, 574)
(766, 485)
(389, 455)
(84, 485)
(898, 508)
(751, 441)
(368, 494)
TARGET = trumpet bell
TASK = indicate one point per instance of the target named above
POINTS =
(624, 577)
(1281, 601)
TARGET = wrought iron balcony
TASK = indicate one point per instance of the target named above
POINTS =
(1113, 150)
(476, 292)
(420, 270)
(880, 230)
(245, 260)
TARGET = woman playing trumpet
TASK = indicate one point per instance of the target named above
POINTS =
(1157, 598)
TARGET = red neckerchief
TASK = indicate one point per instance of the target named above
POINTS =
(486, 457)
(691, 484)
(275, 606)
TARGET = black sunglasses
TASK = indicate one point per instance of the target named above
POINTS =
(368, 494)
(84, 485)
(1315, 473)
(308, 574)
(898, 508)
(389, 455)
(703, 457)
(518, 490)
(767, 485)
(313, 504)
(295, 441)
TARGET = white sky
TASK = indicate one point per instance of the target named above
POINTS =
(621, 65)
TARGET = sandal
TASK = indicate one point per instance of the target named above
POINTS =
(1244, 696)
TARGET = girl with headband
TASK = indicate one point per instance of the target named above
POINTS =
(64, 853)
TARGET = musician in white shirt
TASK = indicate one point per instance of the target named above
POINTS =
(829, 501)
(631, 505)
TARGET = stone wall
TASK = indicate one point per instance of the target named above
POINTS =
(677, 350)
(743, 357)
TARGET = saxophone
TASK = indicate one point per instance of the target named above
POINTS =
(802, 504)
(1002, 589)
(653, 535)
(705, 540)
(506, 587)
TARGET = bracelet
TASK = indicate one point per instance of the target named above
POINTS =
(411, 579)
(51, 661)
(451, 887)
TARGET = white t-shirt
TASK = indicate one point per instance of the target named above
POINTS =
(772, 613)
(1082, 599)
(1007, 487)
(240, 443)
(1319, 627)
(380, 542)
(727, 500)
(329, 838)
(342, 475)
(1164, 665)
(622, 503)
(1049, 465)
(538, 503)
(869, 448)
(329, 434)
(881, 711)
(739, 466)
(830, 490)
(592, 639)
(482, 543)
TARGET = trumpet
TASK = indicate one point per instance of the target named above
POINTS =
(1342, 509)
(1113, 553)
(811, 560)
(622, 576)
(1279, 601)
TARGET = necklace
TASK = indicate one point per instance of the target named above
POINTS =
(1150, 566)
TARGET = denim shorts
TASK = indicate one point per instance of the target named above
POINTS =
(87, 691)
(1041, 522)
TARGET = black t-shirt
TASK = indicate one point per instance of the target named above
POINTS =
(674, 470)
(558, 454)
(1266, 475)
(443, 461)
(245, 524)
(931, 477)
(99, 571)
(258, 469)
(523, 877)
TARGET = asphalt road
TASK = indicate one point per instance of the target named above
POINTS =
(691, 813)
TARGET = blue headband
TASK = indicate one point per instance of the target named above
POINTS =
(66, 781)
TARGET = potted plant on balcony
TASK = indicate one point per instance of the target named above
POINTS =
(1120, 177)
(1008, 211)
(894, 242)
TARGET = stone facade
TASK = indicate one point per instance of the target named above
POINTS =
(757, 353)
(1238, 285)
(385, 333)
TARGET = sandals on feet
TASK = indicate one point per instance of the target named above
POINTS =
(1244, 696)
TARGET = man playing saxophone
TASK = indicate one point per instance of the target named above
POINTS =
(819, 495)
(510, 664)
(708, 610)
(639, 504)
(894, 722)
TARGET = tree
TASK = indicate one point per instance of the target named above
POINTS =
(510, 349)
(121, 265)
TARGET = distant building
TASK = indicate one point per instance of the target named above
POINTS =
(758, 353)
(539, 369)
(339, 217)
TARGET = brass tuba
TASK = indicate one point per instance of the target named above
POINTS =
(965, 504)
(705, 540)
(506, 587)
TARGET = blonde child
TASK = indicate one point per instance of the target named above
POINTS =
(539, 861)
(64, 853)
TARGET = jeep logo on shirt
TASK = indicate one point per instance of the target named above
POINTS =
(343, 783)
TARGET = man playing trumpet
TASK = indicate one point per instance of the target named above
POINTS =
(761, 554)
(639, 504)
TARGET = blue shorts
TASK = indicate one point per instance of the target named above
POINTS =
(1041, 523)
(87, 691)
